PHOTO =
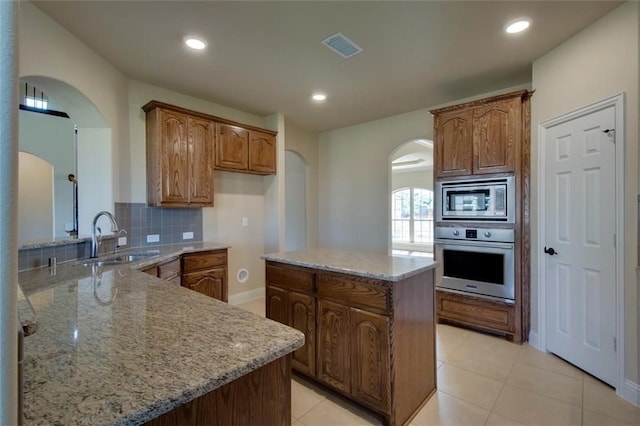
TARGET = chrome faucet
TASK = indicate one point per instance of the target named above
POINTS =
(96, 232)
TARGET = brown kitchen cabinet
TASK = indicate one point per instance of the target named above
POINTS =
(333, 345)
(363, 328)
(206, 273)
(242, 150)
(296, 309)
(489, 138)
(169, 270)
(179, 158)
(479, 137)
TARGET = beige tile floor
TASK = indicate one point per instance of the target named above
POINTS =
(482, 380)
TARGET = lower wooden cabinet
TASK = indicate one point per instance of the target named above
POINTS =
(296, 310)
(370, 358)
(211, 282)
(302, 311)
(206, 273)
(477, 312)
(333, 345)
(351, 341)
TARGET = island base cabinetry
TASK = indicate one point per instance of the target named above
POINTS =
(372, 341)
(262, 397)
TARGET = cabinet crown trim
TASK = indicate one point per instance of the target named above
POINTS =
(151, 105)
(524, 94)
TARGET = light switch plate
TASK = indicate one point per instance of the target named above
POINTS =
(153, 238)
(245, 221)
(187, 235)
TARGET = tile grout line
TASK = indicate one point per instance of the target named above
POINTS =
(502, 388)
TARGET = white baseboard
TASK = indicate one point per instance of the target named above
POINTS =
(631, 392)
(246, 296)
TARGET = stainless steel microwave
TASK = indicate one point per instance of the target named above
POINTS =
(488, 200)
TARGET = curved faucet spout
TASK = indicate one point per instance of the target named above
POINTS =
(95, 238)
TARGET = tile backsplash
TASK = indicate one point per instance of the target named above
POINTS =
(138, 220)
(168, 223)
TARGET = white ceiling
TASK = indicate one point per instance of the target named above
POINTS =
(265, 57)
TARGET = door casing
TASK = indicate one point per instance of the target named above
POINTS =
(617, 102)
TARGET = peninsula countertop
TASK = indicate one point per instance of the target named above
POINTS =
(369, 265)
(118, 346)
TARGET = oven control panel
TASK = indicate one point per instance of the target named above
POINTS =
(475, 234)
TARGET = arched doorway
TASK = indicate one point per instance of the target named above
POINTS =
(411, 199)
(77, 143)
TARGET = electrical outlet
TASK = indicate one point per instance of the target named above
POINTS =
(122, 241)
(187, 235)
(245, 221)
(153, 238)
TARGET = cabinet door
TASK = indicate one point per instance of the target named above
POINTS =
(201, 161)
(495, 136)
(173, 158)
(303, 317)
(333, 345)
(454, 145)
(262, 152)
(232, 147)
(212, 282)
(370, 358)
(277, 307)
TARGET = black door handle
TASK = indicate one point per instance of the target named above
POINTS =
(550, 251)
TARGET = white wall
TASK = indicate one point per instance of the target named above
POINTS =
(35, 198)
(295, 187)
(418, 178)
(95, 182)
(52, 139)
(355, 182)
(597, 63)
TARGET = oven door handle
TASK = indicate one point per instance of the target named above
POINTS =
(491, 244)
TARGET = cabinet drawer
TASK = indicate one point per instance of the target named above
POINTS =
(290, 277)
(355, 291)
(475, 311)
(203, 260)
(169, 269)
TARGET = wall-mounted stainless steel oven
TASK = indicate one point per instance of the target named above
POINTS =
(479, 261)
(485, 200)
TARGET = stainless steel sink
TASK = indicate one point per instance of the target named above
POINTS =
(117, 260)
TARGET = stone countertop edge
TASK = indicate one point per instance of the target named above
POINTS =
(367, 265)
(221, 342)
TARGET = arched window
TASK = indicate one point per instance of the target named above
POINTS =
(412, 216)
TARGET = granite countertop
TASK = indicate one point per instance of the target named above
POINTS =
(118, 346)
(369, 265)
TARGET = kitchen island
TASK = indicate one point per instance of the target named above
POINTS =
(118, 346)
(369, 325)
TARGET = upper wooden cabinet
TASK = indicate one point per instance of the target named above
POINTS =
(242, 150)
(480, 137)
(179, 159)
(184, 147)
(232, 147)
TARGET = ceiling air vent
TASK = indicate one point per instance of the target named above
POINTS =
(340, 44)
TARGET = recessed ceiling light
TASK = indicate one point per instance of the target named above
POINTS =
(195, 43)
(517, 26)
(318, 97)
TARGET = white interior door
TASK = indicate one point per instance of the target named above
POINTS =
(580, 242)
